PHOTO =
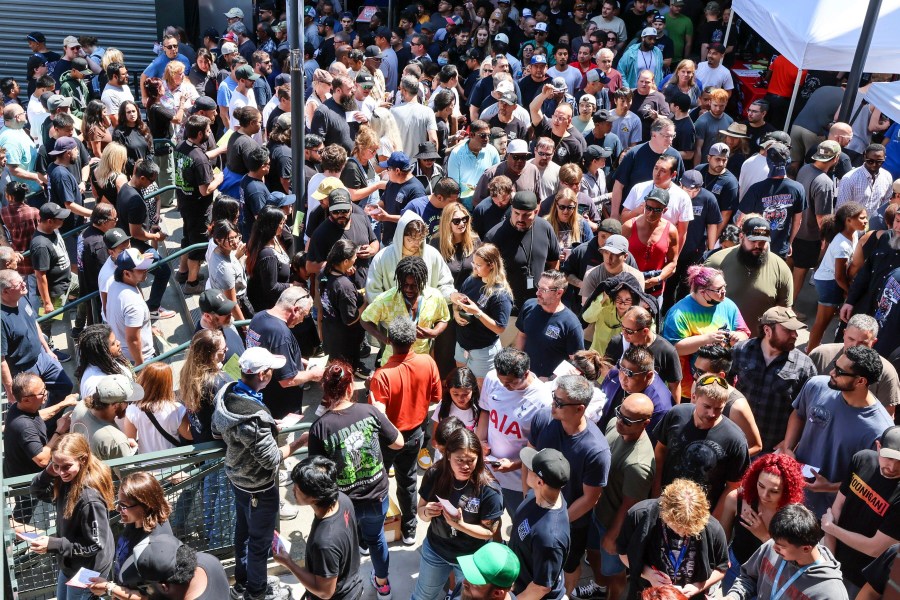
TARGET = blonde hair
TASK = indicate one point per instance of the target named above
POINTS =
(365, 138)
(683, 505)
(110, 56)
(445, 232)
(496, 279)
(93, 472)
(384, 125)
(685, 64)
(172, 69)
(574, 224)
(112, 163)
(199, 368)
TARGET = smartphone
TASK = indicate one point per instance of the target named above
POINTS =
(494, 463)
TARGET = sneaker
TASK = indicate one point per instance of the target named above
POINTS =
(409, 538)
(237, 592)
(62, 356)
(424, 459)
(193, 290)
(288, 511)
(383, 591)
(589, 591)
(283, 478)
(365, 350)
(181, 277)
(162, 313)
(364, 551)
(362, 372)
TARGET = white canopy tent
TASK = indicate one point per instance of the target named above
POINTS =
(886, 98)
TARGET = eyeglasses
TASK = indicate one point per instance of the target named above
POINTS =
(717, 291)
(842, 373)
(41, 394)
(566, 207)
(625, 419)
(233, 239)
(629, 373)
(874, 161)
(122, 506)
(712, 379)
(546, 290)
(460, 221)
(623, 301)
(557, 403)
(171, 47)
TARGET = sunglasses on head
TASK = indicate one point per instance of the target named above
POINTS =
(712, 379)
(629, 373)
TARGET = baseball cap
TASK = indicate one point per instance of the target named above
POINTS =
(524, 200)
(280, 199)
(156, 561)
(548, 464)
(56, 101)
(214, 301)
(326, 186)
(617, 244)
(310, 12)
(211, 33)
(612, 226)
(383, 32)
(508, 98)
(63, 144)
(339, 199)
(502, 38)
(590, 98)
(716, 46)
(783, 316)
(756, 229)
(475, 54)
(539, 59)
(235, 13)
(692, 179)
(246, 72)
(114, 238)
(658, 17)
(113, 389)
(777, 136)
(133, 259)
(526, 12)
(373, 52)
(397, 160)
(493, 563)
(659, 195)
(596, 75)
(517, 146)
(827, 150)
(649, 32)
(364, 78)
(52, 210)
(719, 149)
(70, 41)
(36, 36)
(601, 116)
(229, 48)
(559, 84)
(326, 21)
(81, 65)
(777, 156)
(595, 151)
(540, 27)
(258, 359)
(890, 443)
(203, 103)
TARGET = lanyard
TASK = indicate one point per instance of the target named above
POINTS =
(676, 563)
(779, 591)
(529, 253)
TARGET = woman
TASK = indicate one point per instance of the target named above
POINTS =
(162, 119)
(178, 92)
(157, 419)
(321, 88)
(226, 272)
(570, 227)
(481, 310)
(342, 305)
(144, 513)
(702, 318)
(684, 80)
(772, 481)
(738, 142)
(268, 265)
(134, 134)
(674, 540)
(608, 304)
(481, 39)
(351, 434)
(81, 487)
(96, 128)
(280, 159)
(360, 173)
(225, 208)
(204, 75)
(385, 127)
(108, 176)
(99, 355)
(462, 480)
(460, 401)
(653, 241)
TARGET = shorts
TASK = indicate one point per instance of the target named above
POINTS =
(577, 546)
(480, 360)
(194, 232)
(610, 564)
(830, 293)
(805, 253)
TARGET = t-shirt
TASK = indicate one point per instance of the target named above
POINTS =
(281, 166)
(169, 416)
(685, 136)
(106, 440)
(878, 572)
(273, 334)
(637, 165)
(550, 337)
(710, 457)
(631, 470)
(217, 586)
(627, 128)
(525, 254)
(719, 77)
(62, 187)
(569, 148)
(330, 122)
(724, 187)
(678, 210)
(192, 170)
(540, 539)
(666, 361)
(24, 436)
(394, 199)
(21, 151)
(21, 346)
(254, 197)
(332, 550)
(353, 438)
(587, 452)
(239, 148)
(125, 307)
(414, 122)
(497, 306)
(485, 504)
(872, 502)
(132, 210)
(48, 255)
(778, 201)
(840, 247)
(237, 101)
(113, 96)
(328, 233)
(706, 212)
(226, 273)
(820, 195)
(341, 303)
(486, 215)
(509, 421)
(707, 128)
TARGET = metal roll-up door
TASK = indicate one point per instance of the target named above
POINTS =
(129, 25)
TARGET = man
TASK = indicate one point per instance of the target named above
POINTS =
(680, 28)
(345, 220)
(861, 523)
(271, 329)
(42, 60)
(117, 90)
(325, 53)
(548, 332)
(93, 253)
(415, 121)
(532, 84)
(310, 29)
(21, 153)
(712, 72)
(544, 150)
(35, 111)
(757, 279)
(566, 429)
(446, 192)
(175, 571)
(685, 134)
(468, 161)
(540, 535)
(570, 145)
(402, 187)
(636, 331)
(638, 163)
(489, 574)
(584, 62)
(243, 95)
(602, 135)
(635, 374)
(95, 418)
(608, 21)
(404, 388)
(252, 458)
(126, 311)
(756, 168)
(52, 266)
(871, 185)
(844, 418)
(231, 62)
(254, 194)
(115, 240)
(696, 441)
(862, 330)
(780, 201)
(388, 64)
(73, 84)
(820, 192)
(157, 68)
(648, 103)
(524, 175)
(261, 63)
(216, 315)
(523, 262)
(595, 86)
(571, 75)
(508, 118)
(757, 127)
(330, 120)
(245, 45)
(710, 123)
(590, 264)
(812, 571)
(644, 56)
(721, 182)
(679, 210)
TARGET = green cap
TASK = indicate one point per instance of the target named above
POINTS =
(493, 563)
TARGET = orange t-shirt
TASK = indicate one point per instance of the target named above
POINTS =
(784, 76)
(407, 385)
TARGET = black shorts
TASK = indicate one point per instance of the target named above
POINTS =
(577, 545)
(194, 232)
(805, 254)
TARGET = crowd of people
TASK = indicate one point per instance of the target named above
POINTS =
(555, 244)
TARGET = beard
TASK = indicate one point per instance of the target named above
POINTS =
(894, 242)
(347, 102)
(748, 259)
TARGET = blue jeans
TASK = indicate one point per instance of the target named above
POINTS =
(66, 592)
(161, 276)
(434, 572)
(511, 500)
(370, 516)
(253, 530)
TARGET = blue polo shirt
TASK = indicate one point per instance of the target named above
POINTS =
(158, 67)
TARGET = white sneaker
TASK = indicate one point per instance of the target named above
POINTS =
(288, 511)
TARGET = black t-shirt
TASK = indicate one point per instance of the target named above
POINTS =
(270, 122)
(192, 170)
(329, 232)
(706, 212)
(353, 176)
(341, 301)
(332, 550)
(330, 122)
(48, 57)
(497, 306)
(486, 215)
(569, 149)
(92, 255)
(724, 187)
(515, 129)
(637, 166)
(281, 166)
(878, 572)
(200, 422)
(352, 438)
(136, 145)
(394, 198)
(777, 200)
(525, 255)
(273, 334)
(48, 255)
(239, 148)
(666, 361)
(685, 137)
(709, 32)
(159, 120)
(872, 504)
(540, 539)
(24, 436)
(757, 134)
(132, 210)
(709, 457)
(484, 505)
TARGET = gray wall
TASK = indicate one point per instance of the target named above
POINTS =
(212, 13)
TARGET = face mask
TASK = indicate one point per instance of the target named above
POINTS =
(442, 61)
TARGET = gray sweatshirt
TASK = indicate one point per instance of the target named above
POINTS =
(821, 581)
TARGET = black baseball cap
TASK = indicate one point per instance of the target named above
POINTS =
(548, 464)
(214, 301)
(52, 210)
(524, 201)
(36, 36)
(115, 237)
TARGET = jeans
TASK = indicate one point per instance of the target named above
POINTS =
(370, 516)
(404, 463)
(161, 275)
(253, 530)
(434, 571)
(67, 592)
(511, 500)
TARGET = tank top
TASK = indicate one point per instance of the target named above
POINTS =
(743, 543)
(650, 257)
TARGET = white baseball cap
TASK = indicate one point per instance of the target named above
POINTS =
(258, 359)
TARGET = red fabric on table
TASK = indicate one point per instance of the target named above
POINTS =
(749, 91)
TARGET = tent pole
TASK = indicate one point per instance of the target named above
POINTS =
(728, 29)
(862, 50)
(787, 120)
(298, 155)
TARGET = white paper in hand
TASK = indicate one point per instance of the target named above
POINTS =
(448, 508)
(351, 116)
(281, 543)
(290, 419)
(82, 579)
(28, 536)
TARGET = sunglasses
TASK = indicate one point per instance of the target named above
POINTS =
(460, 221)
(625, 419)
(655, 209)
(519, 157)
(629, 330)
(122, 506)
(874, 161)
(629, 373)
(842, 373)
(545, 154)
(566, 207)
(340, 212)
(712, 379)
(483, 136)
(557, 403)
(171, 47)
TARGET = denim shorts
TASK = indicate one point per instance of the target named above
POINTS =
(480, 360)
(610, 564)
(830, 293)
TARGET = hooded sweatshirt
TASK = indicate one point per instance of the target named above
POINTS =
(381, 271)
(249, 431)
(821, 581)
(78, 90)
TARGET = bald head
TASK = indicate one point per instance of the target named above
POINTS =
(841, 133)
(638, 406)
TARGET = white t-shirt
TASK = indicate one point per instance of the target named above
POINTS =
(114, 96)
(36, 114)
(148, 438)
(125, 307)
(719, 77)
(106, 277)
(237, 101)
(92, 376)
(679, 209)
(840, 247)
(509, 421)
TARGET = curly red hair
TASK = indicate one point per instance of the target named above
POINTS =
(783, 466)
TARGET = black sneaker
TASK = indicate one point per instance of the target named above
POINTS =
(365, 350)
(362, 372)
(181, 277)
(589, 591)
(62, 356)
(237, 592)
